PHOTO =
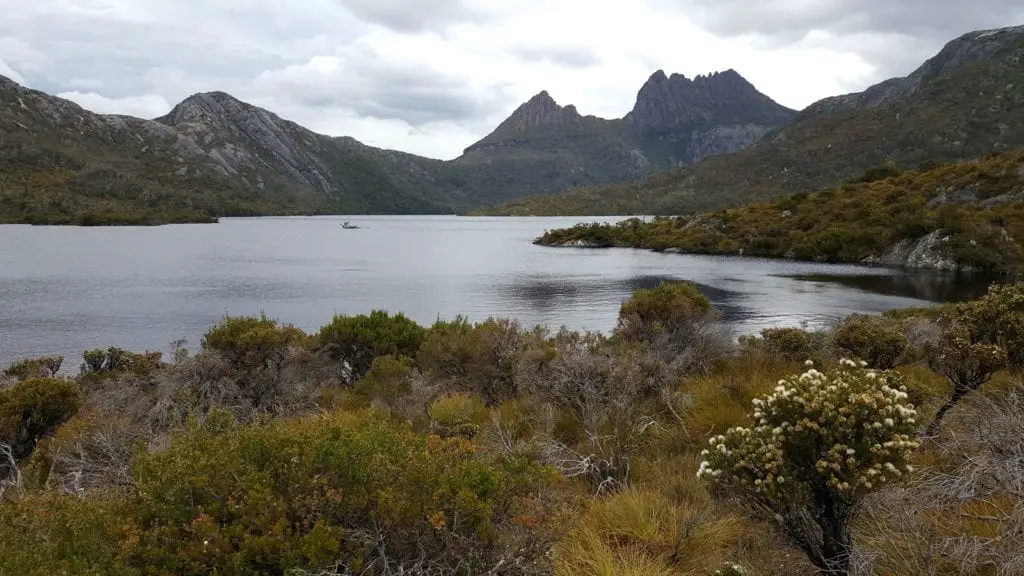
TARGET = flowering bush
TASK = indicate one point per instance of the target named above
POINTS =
(819, 443)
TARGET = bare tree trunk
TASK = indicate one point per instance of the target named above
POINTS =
(933, 427)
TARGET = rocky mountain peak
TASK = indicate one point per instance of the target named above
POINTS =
(204, 107)
(541, 110)
(671, 103)
(6, 82)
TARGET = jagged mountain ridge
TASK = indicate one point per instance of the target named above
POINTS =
(217, 154)
(674, 122)
(963, 103)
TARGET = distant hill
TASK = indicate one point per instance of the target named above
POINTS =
(215, 155)
(965, 102)
(962, 216)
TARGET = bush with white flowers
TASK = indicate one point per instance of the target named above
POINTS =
(819, 443)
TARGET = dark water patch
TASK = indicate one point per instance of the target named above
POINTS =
(930, 286)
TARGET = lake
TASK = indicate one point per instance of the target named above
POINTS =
(66, 289)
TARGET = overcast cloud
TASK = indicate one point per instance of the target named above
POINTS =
(431, 77)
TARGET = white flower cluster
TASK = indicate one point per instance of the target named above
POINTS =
(852, 430)
(731, 569)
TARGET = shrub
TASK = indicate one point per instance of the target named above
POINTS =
(34, 409)
(997, 318)
(116, 362)
(965, 364)
(818, 445)
(357, 340)
(459, 414)
(671, 307)
(606, 401)
(253, 343)
(47, 533)
(45, 367)
(872, 339)
(791, 343)
(91, 451)
(480, 359)
(347, 491)
(388, 379)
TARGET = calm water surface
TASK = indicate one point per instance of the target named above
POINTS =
(63, 290)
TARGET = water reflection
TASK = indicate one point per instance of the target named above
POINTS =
(931, 286)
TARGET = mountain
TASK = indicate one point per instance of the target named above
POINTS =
(964, 103)
(547, 148)
(214, 154)
(211, 154)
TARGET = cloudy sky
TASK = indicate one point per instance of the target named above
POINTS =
(433, 76)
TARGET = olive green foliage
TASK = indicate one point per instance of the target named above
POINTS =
(638, 532)
(45, 367)
(459, 414)
(820, 442)
(668, 308)
(854, 222)
(873, 339)
(47, 533)
(791, 343)
(254, 342)
(479, 358)
(357, 340)
(494, 450)
(343, 489)
(114, 361)
(388, 379)
(996, 318)
(34, 409)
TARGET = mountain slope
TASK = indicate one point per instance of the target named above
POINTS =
(954, 217)
(213, 154)
(965, 102)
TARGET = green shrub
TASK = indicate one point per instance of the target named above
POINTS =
(357, 340)
(34, 409)
(965, 364)
(672, 306)
(45, 367)
(873, 339)
(459, 414)
(388, 378)
(116, 361)
(480, 359)
(340, 489)
(791, 343)
(254, 343)
(47, 533)
(818, 445)
(997, 318)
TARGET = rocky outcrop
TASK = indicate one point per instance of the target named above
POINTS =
(925, 253)
(672, 104)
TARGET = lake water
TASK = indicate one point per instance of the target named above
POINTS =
(66, 289)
